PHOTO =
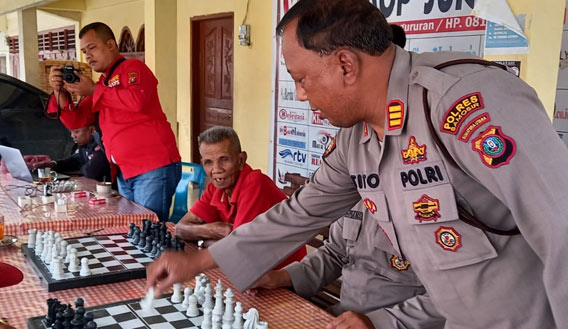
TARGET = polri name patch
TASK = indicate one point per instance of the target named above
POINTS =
(459, 111)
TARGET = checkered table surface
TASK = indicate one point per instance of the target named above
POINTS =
(280, 308)
(80, 214)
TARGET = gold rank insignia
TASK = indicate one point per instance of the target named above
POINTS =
(494, 147)
(414, 153)
(370, 205)
(329, 148)
(399, 264)
(395, 113)
(448, 238)
(426, 209)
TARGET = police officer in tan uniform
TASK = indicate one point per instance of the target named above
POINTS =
(497, 163)
(372, 275)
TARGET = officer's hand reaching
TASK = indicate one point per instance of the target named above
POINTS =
(85, 86)
(351, 320)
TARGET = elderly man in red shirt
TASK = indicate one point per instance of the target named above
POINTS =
(137, 137)
(235, 196)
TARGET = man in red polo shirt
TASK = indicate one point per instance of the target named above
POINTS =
(137, 137)
(235, 196)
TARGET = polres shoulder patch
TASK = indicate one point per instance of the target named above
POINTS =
(459, 111)
(329, 148)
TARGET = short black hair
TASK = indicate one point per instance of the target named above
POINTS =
(102, 30)
(327, 25)
(398, 35)
(218, 134)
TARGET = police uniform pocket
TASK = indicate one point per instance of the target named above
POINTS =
(450, 242)
(351, 228)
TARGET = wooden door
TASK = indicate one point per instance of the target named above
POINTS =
(212, 75)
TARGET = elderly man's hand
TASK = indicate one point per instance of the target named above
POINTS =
(219, 230)
(351, 320)
(271, 280)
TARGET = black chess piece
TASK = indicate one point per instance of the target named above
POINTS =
(131, 231)
(136, 236)
(91, 325)
(68, 315)
(57, 325)
(77, 322)
(88, 317)
(79, 302)
(142, 242)
(161, 251)
(59, 319)
(168, 240)
(148, 246)
(154, 250)
(51, 310)
(175, 242)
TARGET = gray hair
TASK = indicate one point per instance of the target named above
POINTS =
(217, 134)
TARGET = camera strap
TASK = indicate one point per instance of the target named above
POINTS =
(113, 67)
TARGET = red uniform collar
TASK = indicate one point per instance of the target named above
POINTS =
(111, 64)
(219, 198)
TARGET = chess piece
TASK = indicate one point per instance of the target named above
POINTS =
(69, 247)
(148, 245)
(88, 317)
(147, 303)
(228, 317)
(192, 309)
(262, 325)
(49, 253)
(186, 293)
(216, 321)
(32, 238)
(251, 319)
(47, 250)
(63, 249)
(136, 237)
(54, 254)
(39, 245)
(77, 322)
(79, 302)
(177, 296)
(130, 231)
(218, 309)
(154, 251)
(91, 325)
(142, 242)
(50, 316)
(68, 315)
(238, 322)
(85, 271)
(208, 302)
(73, 261)
(206, 324)
(57, 268)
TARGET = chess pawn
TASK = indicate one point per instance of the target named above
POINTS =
(73, 261)
(197, 284)
(47, 249)
(85, 271)
(206, 324)
(154, 251)
(208, 302)
(228, 317)
(177, 296)
(32, 238)
(68, 253)
(49, 253)
(186, 293)
(63, 249)
(39, 245)
(192, 309)
(148, 245)
(238, 323)
(54, 254)
(130, 231)
(57, 268)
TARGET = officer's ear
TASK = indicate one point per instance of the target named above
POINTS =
(350, 64)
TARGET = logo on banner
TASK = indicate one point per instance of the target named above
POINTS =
(315, 160)
(448, 238)
(292, 131)
(317, 120)
(426, 209)
(414, 153)
(395, 113)
(284, 114)
(494, 147)
(370, 205)
(297, 155)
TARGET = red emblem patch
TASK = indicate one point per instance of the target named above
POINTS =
(329, 148)
(472, 126)
(370, 205)
(448, 238)
(399, 264)
(395, 113)
(459, 111)
(494, 147)
(414, 153)
(132, 77)
(426, 209)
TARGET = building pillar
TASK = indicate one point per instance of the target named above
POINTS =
(27, 32)
(160, 22)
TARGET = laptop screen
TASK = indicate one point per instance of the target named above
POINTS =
(15, 163)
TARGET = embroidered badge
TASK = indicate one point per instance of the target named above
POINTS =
(395, 112)
(459, 111)
(329, 148)
(414, 153)
(494, 147)
(448, 238)
(399, 263)
(114, 81)
(365, 130)
(426, 209)
(370, 205)
(132, 77)
(472, 126)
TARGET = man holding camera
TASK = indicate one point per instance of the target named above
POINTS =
(137, 137)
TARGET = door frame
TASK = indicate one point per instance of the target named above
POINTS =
(194, 79)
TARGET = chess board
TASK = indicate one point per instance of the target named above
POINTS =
(112, 258)
(129, 315)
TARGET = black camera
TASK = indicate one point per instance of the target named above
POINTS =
(69, 75)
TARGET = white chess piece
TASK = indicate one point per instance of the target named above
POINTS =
(57, 268)
(177, 296)
(85, 271)
(238, 323)
(69, 247)
(47, 250)
(56, 235)
(262, 325)
(218, 309)
(63, 249)
(192, 309)
(206, 324)
(186, 293)
(216, 321)
(54, 254)
(73, 261)
(49, 253)
(39, 244)
(32, 238)
(251, 319)
(147, 303)
(228, 317)
(208, 297)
